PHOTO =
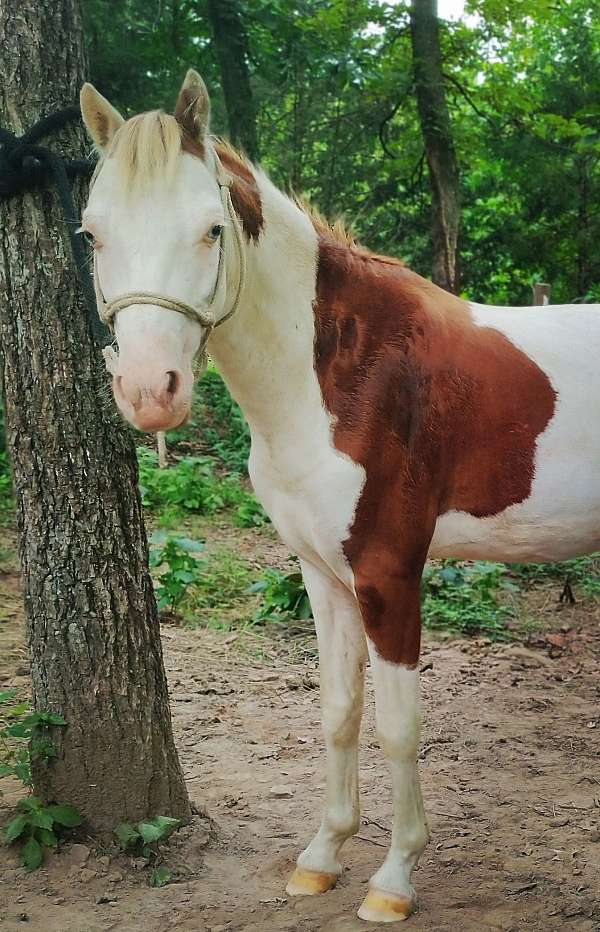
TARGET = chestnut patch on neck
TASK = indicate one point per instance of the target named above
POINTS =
(441, 413)
(245, 195)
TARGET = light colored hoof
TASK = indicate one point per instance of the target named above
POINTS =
(307, 883)
(379, 906)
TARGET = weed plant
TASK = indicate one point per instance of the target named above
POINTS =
(584, 572)
(191, 485)
(464, 598)
(217, 421)
(36, 825)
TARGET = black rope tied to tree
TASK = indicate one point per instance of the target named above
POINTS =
(24, 165)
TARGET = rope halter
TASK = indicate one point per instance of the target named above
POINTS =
(202, 314)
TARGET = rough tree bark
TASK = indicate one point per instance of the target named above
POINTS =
(439, 145)
(231, 45)
(92, 621)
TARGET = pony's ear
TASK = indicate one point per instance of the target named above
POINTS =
(192, 110)
(101, 119)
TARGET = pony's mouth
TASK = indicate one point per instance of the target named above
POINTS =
(152, 418)
(144, 408)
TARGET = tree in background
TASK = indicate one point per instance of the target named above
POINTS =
(439, 144)
(92, 621)
(231, 49)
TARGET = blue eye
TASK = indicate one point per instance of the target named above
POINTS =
(215, 231)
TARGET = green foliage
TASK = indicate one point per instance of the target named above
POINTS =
(337, 120)
(22, 737)
(36, 825)
(284, 596)
(180, 567)
(463, 597)
(144, 839)
(6, 491)
(190, 584)
(583, 572)
(221, 423)
(160, 876)
(249, 513)
(191, 485)
(223, 582)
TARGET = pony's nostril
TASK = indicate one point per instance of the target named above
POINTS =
(172, 383)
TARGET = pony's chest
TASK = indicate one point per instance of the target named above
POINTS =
(311, 498)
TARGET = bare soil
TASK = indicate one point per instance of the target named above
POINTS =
(510, 765)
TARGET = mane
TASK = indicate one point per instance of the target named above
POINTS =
(337, 234)
(147, 144)
(336, 230)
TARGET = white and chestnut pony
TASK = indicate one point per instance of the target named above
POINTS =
(390, 420)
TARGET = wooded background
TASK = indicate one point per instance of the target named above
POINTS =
(323, 93)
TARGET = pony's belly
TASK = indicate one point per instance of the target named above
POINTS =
(560, 519)
(514, 537)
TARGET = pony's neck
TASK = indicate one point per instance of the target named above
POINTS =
(265, 351)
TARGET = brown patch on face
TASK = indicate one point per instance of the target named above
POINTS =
(443, 415)
(245, 195)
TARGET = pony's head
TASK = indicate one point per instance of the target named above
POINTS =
(155, 217)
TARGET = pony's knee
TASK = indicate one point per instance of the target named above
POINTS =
(399, 740)
(397, 715)
(341, 720)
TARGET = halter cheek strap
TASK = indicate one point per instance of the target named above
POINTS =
(202, 314)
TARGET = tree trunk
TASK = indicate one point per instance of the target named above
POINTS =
(231, 46)
(439, 146)
(582, 233)
(92, 621)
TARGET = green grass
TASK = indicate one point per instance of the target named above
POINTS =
(201, 587)
(223, 592)
(223, 584)
(464, 598)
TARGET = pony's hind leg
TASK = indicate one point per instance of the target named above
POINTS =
(391, 896)
(342, 656)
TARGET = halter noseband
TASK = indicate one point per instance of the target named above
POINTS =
(204, 314)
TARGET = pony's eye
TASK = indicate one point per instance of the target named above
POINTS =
(215, 231)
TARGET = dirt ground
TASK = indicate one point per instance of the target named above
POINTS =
(510, 765)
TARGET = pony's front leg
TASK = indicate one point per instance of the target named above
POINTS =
(391, 896)
(342, 656)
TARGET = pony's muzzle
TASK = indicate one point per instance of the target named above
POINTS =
(160, 402)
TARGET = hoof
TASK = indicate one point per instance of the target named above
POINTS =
(379, 906)
(307, 883)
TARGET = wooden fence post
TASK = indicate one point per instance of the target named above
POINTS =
(541, 293)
